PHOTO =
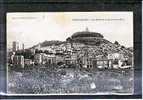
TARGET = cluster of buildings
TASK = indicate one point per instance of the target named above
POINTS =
(76, 54)
(16, 46)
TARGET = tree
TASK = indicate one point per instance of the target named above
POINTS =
(38, 51)
(28, 54)
(122, 47)
(46, 51)
(60, 63)
(116, 42)
(115, 61)
(69, 39)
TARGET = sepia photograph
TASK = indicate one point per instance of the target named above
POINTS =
(70, 53)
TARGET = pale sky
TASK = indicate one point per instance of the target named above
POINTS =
(34, 27)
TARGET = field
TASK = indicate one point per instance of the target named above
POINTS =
(70, 81)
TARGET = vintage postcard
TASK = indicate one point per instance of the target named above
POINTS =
(74, 53)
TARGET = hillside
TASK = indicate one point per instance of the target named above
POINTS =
(96, 47)
(94, 41)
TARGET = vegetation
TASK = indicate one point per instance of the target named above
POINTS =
(50, 43)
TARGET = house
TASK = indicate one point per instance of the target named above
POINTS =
(42, 58)
(116, 56)
(86, 62)
(32, 51)
(50, 59)
(18, 60)
(38, 58)
(59, 58)
(70, 60)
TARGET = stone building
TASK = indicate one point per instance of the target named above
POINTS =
(50, 59)
(18, 61)
(15, 46)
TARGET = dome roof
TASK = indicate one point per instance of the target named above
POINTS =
(86, 33)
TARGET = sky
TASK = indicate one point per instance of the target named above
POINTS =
(34, 27)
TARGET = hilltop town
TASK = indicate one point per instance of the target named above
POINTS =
(83, 49)
(84, 63)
